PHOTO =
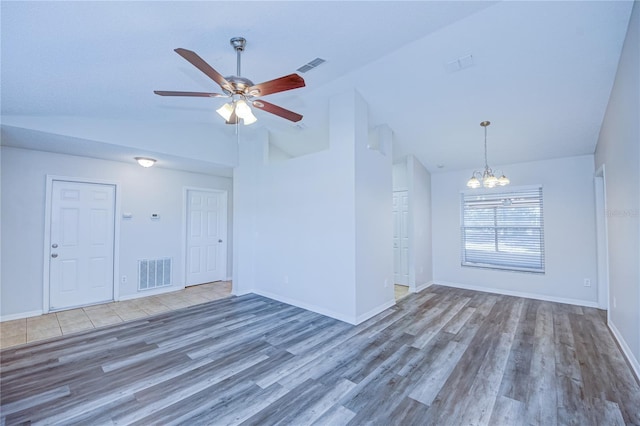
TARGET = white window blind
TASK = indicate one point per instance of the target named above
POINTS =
(503, 230)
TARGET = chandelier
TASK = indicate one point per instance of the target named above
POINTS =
(486, 178)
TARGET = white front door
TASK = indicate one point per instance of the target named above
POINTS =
(401, 237)
(81, 244)
(206, 236)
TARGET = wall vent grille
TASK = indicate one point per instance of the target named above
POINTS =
(154, 273)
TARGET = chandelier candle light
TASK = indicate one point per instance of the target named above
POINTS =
(487, 177)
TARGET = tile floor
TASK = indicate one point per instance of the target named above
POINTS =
(17, 332)
(400, 291)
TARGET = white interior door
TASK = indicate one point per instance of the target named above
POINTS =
(206, 236)
(81, 244)
(401, 237)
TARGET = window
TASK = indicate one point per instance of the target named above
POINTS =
(503, 230)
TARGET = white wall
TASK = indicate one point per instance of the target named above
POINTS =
(315, 231)
(569, 232)
(618, 150)
(142, 192)
(400, 176)
(294, 230)
(373, 212)
(421, 255)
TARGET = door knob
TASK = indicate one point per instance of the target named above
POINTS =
(54, 245)
(219, 241)
(54, 255)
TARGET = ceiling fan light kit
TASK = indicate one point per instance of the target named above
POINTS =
(241, 90)
(487, 177)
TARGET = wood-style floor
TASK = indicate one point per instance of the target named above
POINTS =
(441, 357)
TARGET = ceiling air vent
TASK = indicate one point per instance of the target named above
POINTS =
(311, 65)
(459, 64)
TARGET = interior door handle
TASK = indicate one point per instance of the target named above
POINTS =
(54, 245)
(54, 255)
(219, 241)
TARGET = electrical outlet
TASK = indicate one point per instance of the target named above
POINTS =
(124, 279)
(386, 282)
(286, 279)
(615, 303)
(587, 282)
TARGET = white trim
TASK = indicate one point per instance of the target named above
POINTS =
(626, 350)
(602, 246)
(185, 209)
(153, 292)
(375, 311)
(47, 234)
(46, 267)
(236, 292)
(309, 307)
(423, 286)
(21, 315)
(411, 250)
(578, 302)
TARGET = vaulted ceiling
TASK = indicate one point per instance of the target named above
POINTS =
(540, 71)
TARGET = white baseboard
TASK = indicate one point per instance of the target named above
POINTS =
(375, 311)
(236, 292)
(635, 365)
(578, 302)
(421, 287)
(147, 293)
(21, 315)
(309, 307)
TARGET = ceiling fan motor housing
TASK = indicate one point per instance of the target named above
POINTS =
(238, 43)
(239, 86)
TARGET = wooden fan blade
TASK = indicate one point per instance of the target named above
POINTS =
(288, 82)
(279, 111)
(200, 63)
(198, 94)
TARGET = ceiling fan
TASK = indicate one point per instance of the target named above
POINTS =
(241, 90)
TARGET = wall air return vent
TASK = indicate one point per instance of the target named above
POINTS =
(311, 65)
(154, 273)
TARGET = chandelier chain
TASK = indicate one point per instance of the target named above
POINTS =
(486, 162)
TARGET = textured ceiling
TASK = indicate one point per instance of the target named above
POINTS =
(540, 71)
